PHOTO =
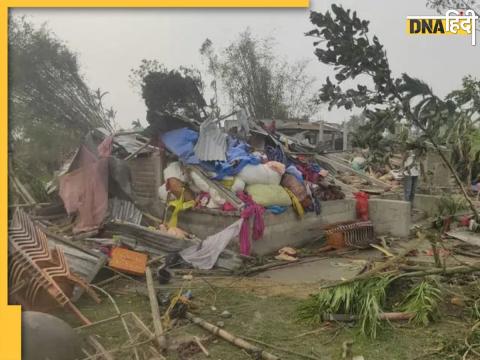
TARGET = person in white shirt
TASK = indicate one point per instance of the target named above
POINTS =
(411, 172)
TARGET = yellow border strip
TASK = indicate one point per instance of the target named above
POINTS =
(10, 336)
(162, 3)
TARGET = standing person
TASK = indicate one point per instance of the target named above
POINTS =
(411, 171)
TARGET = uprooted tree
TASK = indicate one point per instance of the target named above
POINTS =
(168, 93)
(253, 77)
(50, 106)
(343, 41)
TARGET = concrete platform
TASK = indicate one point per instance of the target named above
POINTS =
(286, 229)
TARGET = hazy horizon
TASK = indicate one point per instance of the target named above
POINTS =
(110, 42)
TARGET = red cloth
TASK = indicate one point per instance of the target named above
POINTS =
(362, 205)
(256, 211)
(84, 191)
(308, 173)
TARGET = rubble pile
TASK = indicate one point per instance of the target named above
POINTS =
(195, 197)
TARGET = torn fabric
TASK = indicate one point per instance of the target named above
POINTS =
(205, 255)
(84, 191)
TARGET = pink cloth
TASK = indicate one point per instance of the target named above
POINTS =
(84, 191)
(256, 211)
(228, 207)
(105, 148)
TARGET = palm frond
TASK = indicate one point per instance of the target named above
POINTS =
(423, 300)
(364, 298)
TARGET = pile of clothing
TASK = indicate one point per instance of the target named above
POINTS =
(271, 180)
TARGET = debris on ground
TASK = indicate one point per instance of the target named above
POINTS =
(181, 216)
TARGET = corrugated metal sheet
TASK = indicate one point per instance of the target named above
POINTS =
(212, 143)
(128, 141)
(84, 263)
(124, 210)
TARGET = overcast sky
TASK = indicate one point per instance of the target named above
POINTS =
(109, 42)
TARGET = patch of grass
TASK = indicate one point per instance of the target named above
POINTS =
(271, 319)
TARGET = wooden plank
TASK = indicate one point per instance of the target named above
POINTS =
(157, 321)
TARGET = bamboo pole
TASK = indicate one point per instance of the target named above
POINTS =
(157, 321)
(305, 356)
(119, 314)
(391, 316)
(231, 338)
(200, 345)
(381, 267)
(442, 271)
(121, 348)
(99, 348)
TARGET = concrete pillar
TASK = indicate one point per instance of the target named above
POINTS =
(390, 216)
(320, 132)
(345, 136)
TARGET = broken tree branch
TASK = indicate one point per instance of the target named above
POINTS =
(305, 356)
(399, 257)
(442, 271)
(231, 338)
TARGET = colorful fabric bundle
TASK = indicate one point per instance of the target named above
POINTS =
(275, 154)
(291, 183)
(255, 211)
(292, 170)
(296, 204)
(310, 172)
(267, 195)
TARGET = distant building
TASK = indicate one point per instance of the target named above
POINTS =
(323, 135)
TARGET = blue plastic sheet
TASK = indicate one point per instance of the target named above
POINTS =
(181, 142)
(276, 209)
(292, 170)
(238, 156)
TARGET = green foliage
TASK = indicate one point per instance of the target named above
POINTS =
(365, 298)
(50, 106)
(168, 92)
(423, 300)
(342, 40)
(461, 131)
(450, 205)
(253, 77)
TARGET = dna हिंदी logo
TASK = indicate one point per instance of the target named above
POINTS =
(455, 22)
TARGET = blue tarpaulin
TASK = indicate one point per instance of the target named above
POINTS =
(181, 142)
(238, 156)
